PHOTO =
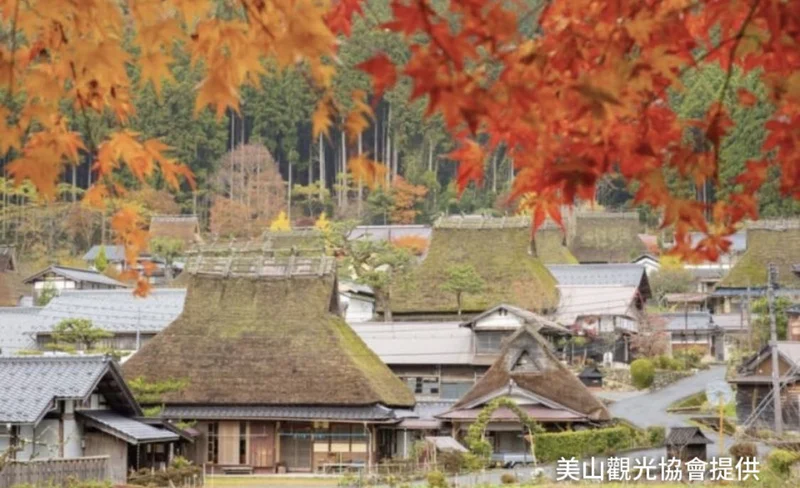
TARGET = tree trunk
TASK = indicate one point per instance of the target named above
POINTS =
(430, 155)
(494, 171)
(387, 159)
(386, 304)
(360, 182)
(343, 189)
(321, 169)
(458, 301)
(74, 183)
(289, 194)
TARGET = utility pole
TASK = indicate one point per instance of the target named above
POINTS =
(749, 319)
(773, 342)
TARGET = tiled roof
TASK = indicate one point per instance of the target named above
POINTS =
(115, 310)
(580, 301)
(130, 430)
(29, 384)
(418, 342)
(682, 436)
(598, 274)
(78, 275)
(679, 321)
(16, 326)
(738, 240)
(114, 253)
(423, 416)
(542, 324)
(293, 412)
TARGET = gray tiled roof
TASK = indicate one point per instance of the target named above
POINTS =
(212, 412)
(130, 430)
(79, 275)
(115, 310)
(597, 274)
(114, 253)
(16, 326)
(738, 240)
(680, 321)
(418, 342)
(29, 384)
(682, 436)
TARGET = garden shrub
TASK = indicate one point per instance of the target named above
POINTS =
(508, 479)
(642, 373)
(668, 363)
(743, 450)
(179, 471)
(656, 435)
(691, 357)
(780, 461)
(437, 479)
(552, 446)
(451, 461)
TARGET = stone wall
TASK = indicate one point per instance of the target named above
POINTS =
(663, 377)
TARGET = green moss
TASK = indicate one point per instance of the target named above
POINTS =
(606, 237)
(500, 256)
(550, 248)
(765, 246)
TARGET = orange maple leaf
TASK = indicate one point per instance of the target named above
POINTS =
(382, 71)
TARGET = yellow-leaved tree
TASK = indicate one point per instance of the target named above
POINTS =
(281, 223)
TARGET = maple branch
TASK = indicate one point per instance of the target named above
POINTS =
(264, 26)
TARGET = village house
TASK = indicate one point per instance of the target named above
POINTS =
(651, 263)
(528, 373)
(793, 327)
(768, 241)
(185, 228)
(115, 255)
(269, 370)
(695, 331)
(61, 278)
(604, 237)
(76, 406)
(501, 252)
(754, 400)
(16, 330)
(605, 303)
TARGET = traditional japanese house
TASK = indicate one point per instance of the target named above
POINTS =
(592, 377)
(768, 241)
(69, 407)
(61, 278)
(528, 373)
(269, 370)
(686, 443)
(695, 331)
(793, 327)
(500, 250)
(185, 228)
(604, 237)
(754, 400)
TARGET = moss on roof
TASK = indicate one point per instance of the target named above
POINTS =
(265, 341)
(500, 255)
(767, 243)
(182, 227)
(550, 248)
(600, 237)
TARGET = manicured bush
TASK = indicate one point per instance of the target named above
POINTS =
(552, 446)
(656, 435)
(743, 450)
(643, 372)
(508, 479)
(690, 357)
(451, 461)
(437, 479)
(780, 461)
(667, 363)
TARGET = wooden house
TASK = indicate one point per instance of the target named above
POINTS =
(77, 406)
(754, 401)
(695, 331)
(65, 278)
(793, 327)
(529, 374)
(500, 250)
(10, 292)
(768, 241)
(269, 370)
(686, 443)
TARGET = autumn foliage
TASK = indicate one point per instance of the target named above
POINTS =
(571, 90)
(405, 197)
(416, 245)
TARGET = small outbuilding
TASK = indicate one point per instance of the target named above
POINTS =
(591, 376)
(687, 443)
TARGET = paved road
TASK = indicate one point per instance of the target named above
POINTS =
(651, 409)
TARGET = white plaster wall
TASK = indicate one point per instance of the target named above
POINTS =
(497, 321)
(357, 310)
(46, 438)
(73, 433)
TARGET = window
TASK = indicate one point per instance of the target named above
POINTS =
(242, 442)
(421, 385)
(489, 342)
(454, 391)
(213, 442)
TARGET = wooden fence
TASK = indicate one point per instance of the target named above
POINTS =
(55, 472)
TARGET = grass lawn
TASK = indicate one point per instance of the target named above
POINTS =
(256, 481)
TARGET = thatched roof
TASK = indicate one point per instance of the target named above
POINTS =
(550, 247)
(601, 237)
(183, 227)
(498, 249)
(776, 242)
(8, 260)
(266, 338)
(527, 362)
(9, 292)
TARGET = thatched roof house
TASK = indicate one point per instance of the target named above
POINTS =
(528, 372)
(269, 333)
(500, 251)
(776, 242)
(185, 228)
(262, 360)
(604, 237)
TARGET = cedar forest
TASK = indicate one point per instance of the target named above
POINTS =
(394, 111)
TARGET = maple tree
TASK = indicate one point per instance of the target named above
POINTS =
(571, 90)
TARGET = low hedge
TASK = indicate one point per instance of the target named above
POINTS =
(553, 446)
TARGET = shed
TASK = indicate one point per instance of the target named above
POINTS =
(687, 443)
(591, 376)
